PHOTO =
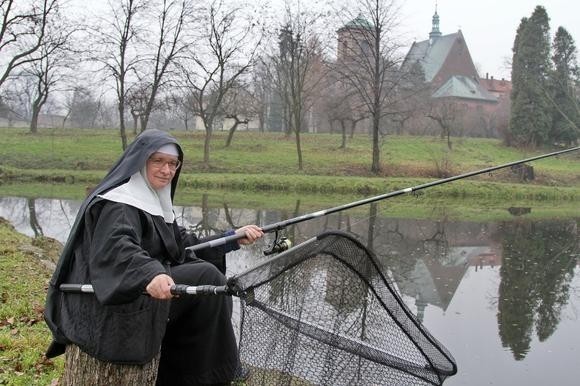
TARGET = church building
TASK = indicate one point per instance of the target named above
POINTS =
(451, 74)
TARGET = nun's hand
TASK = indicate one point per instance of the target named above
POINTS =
(160, 287)
(251, 233)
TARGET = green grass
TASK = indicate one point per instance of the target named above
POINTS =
(270, 153)
(24, 337)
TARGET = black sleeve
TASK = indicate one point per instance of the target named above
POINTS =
(215, 255)
(120, 268)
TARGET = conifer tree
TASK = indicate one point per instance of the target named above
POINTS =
(565, 117)
(531, 115)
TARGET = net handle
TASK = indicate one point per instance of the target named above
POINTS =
(176, 290)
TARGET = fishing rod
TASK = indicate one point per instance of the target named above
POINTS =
(284, 243)
(176, 289)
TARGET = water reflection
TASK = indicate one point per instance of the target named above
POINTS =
(536, 273)
(484, 288)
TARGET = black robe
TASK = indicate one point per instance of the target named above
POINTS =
(118, 249)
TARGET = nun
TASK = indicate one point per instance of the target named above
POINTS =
(125, 241)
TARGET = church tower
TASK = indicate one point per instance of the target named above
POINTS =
(435, 32)
(354, 39)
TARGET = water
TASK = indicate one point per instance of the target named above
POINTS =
(503, 297)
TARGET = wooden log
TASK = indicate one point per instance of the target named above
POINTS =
(81, 369)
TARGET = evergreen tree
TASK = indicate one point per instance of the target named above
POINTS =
(531, 116)
(565, 117)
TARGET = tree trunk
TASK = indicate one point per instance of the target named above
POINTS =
(299, 150)
(135, 122)
(376, 166)
(206, 147)
(122, 125)
(231, 132)
(34, 120)
(34, 224)
(82, 369)
(36, 106)
(352, 128)
(261, 120)
(143, 120)
(66, 117)
(343, 127)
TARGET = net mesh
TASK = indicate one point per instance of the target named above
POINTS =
(323, 313)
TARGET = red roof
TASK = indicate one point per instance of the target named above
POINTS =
(496, 85)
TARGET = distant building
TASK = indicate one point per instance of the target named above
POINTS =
(451, 74)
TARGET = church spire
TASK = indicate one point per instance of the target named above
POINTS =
(435, 33)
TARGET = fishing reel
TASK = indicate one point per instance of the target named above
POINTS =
(279, 245)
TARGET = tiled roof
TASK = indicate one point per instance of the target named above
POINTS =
(463, 87)
(431, 54)
(358, 23)
(497, 85)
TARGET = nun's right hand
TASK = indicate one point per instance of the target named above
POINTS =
(160, 287)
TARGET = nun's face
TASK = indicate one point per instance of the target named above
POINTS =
(161, 168)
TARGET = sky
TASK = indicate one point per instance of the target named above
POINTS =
(489, 26)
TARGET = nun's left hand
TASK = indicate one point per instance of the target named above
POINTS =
(251, 233)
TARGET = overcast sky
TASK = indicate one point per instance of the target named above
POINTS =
(488, 26)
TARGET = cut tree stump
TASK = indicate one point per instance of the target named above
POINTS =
(81, 369)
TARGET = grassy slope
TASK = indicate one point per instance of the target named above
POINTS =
(23, 335)
(271, 153)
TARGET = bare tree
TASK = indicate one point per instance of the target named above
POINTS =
(17, 96)
(52, 63)
(448, 114)
(342, 106)
(137, 99)
(22, 32)
(172, 16)
(368, 61)
(82, 107)
(181, 105)
(240, 105)
(118, 54)
(226, 51)
(296, 71)
(261, 88)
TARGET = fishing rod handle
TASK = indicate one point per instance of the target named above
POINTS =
(77, 288)
(182, 289)
(215, 242)
(266, 229)
(176, 289)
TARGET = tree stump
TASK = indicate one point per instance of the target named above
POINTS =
(81, 369)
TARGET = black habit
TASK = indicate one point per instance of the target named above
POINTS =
(119, 249)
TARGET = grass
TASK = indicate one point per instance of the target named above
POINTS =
(24, 337)
(272, 153)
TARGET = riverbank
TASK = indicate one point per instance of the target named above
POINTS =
(24, 274)
(266, 162)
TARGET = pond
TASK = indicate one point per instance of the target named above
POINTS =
(502, 297)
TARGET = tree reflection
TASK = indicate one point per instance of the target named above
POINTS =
(537, 269)
(34, 224)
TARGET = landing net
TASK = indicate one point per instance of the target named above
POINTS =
(323, 313)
